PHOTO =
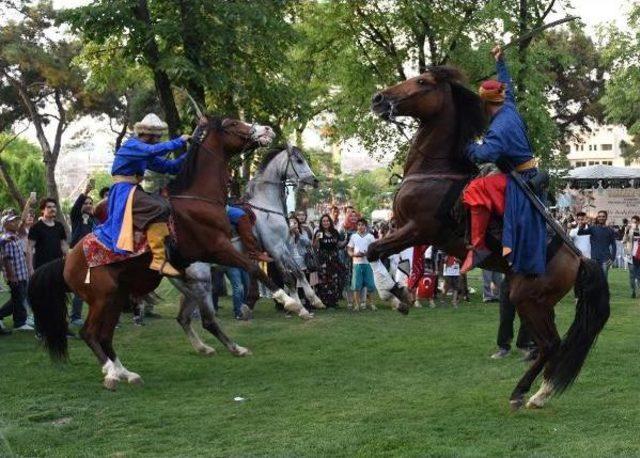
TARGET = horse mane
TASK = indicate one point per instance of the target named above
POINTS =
(187, 172)
(270, 156)
(264, 163)
(471, 120)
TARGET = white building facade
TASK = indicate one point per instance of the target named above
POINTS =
(602, 146)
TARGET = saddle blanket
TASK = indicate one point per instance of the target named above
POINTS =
(98, 254)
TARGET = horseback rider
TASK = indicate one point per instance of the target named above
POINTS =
(507, 145)
(129, 205)
(241, 221)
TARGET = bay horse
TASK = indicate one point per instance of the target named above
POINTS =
(202, 233)
(266, 194)
(429, 211)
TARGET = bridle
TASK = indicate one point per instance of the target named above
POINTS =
(199, 135)
(284, 184)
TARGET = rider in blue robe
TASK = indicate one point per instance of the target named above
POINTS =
(130, 207)
(506, 142)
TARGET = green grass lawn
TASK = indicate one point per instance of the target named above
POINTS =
(344, 384)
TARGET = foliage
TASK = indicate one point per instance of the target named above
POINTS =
(36, 74)
(24, 164)
(621, 100)
(346, 384)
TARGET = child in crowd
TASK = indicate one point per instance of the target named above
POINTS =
(362, 275)
(451, 274)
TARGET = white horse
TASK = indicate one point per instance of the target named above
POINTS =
(266, 195)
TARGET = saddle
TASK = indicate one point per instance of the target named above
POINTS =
(97, 254)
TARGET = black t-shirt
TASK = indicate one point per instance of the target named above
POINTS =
(47, 240)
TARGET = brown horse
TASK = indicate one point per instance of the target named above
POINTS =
(428, 210)
(202, 230)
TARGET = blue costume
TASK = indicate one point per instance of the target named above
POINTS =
(132, 159)
(524, 233)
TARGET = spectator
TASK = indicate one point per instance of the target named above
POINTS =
(335, 218)
(582, 242)
(300, 246)
(451, 274)
(327, 242)
(362, 275)
(631, 243)
(82, 223)
(16, 272)
(104, 193)
(505, 330)
(239, 280)
(603, 241)
(491, 284)
(47, 237)
(301, 217)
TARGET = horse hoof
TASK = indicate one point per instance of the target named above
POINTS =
(241, 351)
(110, 383)
(135, 380)
(207, 351)
(515, 404)
(402, 308)
(304, 314)
(319, 305)
(534, 404)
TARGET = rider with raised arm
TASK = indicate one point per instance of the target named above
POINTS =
(129, 205)
(507, 145)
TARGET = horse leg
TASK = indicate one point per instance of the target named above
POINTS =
(405, 237)
(198, 280)
(202, 296)
(538, 319)
(308, 290)
(229, 256)
(187, 306)
(113, 369)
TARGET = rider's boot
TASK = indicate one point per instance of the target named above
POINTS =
(480, 217)
(245, 231)
(156, 233)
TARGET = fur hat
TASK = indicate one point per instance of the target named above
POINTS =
(150, 124)
(492, 91)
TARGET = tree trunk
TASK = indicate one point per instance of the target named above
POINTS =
(160, 77)
(192, 44)
(14, 192)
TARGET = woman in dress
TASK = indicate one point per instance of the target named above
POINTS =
(331, 274)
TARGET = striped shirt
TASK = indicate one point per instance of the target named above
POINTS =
(12, 252)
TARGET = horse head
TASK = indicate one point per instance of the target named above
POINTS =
(233, 135)
(287, 164)
(431, 97)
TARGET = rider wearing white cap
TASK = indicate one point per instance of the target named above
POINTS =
(129, 205)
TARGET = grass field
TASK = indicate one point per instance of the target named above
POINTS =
(344, 384)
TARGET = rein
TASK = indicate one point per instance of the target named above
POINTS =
(265, 210)
(436, 176)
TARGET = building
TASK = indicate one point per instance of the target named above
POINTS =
(602, 146)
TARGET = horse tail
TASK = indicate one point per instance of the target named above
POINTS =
(592, 312)
(48, 298)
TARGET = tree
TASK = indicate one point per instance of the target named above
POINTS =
(21, 171)
(35, 72)
(621, 101)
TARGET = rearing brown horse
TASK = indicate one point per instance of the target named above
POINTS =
(428, 210)
(198, 198)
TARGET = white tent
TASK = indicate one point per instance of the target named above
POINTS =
(602, 172)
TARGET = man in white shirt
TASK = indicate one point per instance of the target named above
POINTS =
(582, 242)
(362, 275)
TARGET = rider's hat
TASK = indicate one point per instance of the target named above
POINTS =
(150, 124)
(492, 91)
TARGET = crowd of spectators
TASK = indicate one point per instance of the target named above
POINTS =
(331, 250)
